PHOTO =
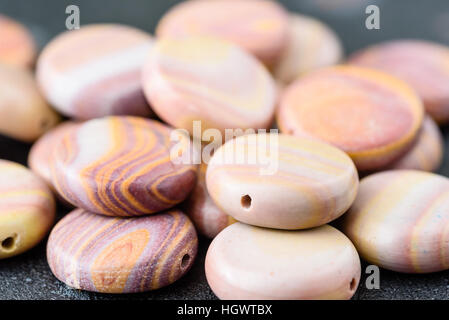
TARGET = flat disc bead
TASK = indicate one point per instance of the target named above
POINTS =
(427, 151)
(368, 114)
(423, 65)
(311, 45)
(305, 184)
(209, 220)
(95, 71)
(17, 46)
(400, 221)
(210, 80)
(41, 153)
(24, 114)
(260, 27)
(250, 263)
(115, 255)
(121, 166)
(27, 209)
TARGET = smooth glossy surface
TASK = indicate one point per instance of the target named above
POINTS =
(259, 26)
(311, 45)
(116, 255)
(299, 183)
(17, 47)
(24, 114)
(41, 153)
(209, 220)
(121, 166)
(400, 221)
(210, 80)
(427, 151)
(95, 71)
(371, 115)
(246, 262)
(423, 65)
(27, 209)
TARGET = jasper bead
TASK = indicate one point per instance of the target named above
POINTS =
(312, 45)
(368, 114)
(209, 220)
(41, 153)
(422, 64)
(27, 209)
(258, 26)
(302, 184)
(116, 255)
(399, 221)
(426, 153)
(95, 71)
(209, 80)
(17, 47)
(122, 166)
(24, 114)
(246, 262)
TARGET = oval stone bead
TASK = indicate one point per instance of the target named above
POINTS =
(123, 166)
(208, 80)
(209, 220)
(27, 209)
(258, 26)
(24, 114)
(293, 183)
(312, 45)
(115, 255)
(95, 71)
(41, 153)
(17, 47)
(399, 221)
(422, 64)
(250, 263)
(370, 115)
(426, 153)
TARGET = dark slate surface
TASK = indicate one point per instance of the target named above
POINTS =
(28, 276)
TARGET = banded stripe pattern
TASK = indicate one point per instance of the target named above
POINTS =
(122, 166)
(95, 71)
(400, 221)
(371, 115)
(17, 47)
(258, 26)
(306, 183)
(117, 255)
(209, 80)
(27, 209)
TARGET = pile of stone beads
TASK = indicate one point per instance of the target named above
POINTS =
(306, 185)
(101, 79)
(27, 209)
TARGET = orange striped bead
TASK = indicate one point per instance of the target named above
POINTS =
(121, 166)
(400, 221)
(368, 114)
(115, 255)
(27, 209)
(17, 47)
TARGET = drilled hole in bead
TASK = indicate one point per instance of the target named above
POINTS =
(185, 261)
(44, 124)
(9, 243)
(352, 284)
(246, 201)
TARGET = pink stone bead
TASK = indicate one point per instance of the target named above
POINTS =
(210, 80)
(95, 71)
(247, 262)
(427, 152)
(17, 45)
(209, 219)
(259, 26)
(423, 65)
